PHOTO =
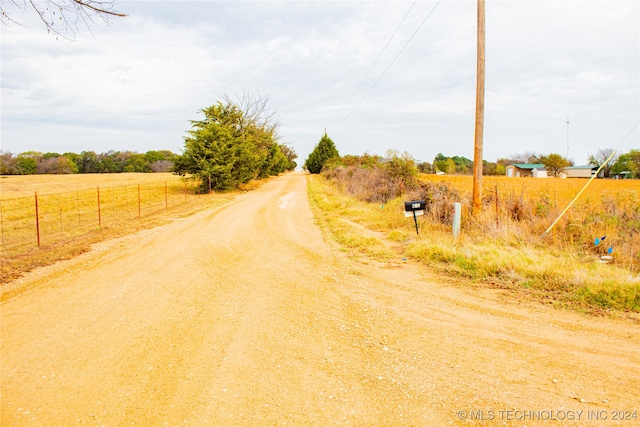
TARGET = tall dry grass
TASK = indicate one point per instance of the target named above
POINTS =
(504, 246)
(522, 209)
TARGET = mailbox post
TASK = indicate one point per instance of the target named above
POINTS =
(414, 208)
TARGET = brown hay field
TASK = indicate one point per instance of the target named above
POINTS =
(75, 211)
(13, 186)
(527, 207)
(563, 190)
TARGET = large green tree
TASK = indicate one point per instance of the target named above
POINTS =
(442, 164)
(627, 164)
(324, 150)
(452, 164)
(555, 164)
(27, 162)
(88, 162)
(231, 146)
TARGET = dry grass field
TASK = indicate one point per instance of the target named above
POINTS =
(12, 186)
(562, 191)
(527, 207)
(608, 208)
(504, 247)
(74, 211)
(540, 201)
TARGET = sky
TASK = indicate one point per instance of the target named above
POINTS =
(135, 83)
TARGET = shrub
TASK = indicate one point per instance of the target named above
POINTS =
(369, 180)
(324, 151)
(439, 198)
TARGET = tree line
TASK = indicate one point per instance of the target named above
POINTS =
(626, 165)
(35, 162)
(237, 141)
(462, 165)
(622, 165)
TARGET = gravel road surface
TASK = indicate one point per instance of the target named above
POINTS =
(247, 316)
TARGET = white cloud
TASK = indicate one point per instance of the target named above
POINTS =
(136, 83)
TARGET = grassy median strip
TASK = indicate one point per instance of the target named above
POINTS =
(526, 266)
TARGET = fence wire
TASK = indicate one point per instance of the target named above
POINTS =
(46, 219)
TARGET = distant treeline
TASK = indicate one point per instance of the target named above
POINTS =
(34, 162)
(625, 165)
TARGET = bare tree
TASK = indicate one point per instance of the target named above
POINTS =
(600, 157)
(288, 151)
(525, 157)
(256, 111)
(8, 164)
(161, 166)
(61, 17)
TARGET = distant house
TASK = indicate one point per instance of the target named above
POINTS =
(540, 173)
(519, 170)
(537, 170)
(579, 171)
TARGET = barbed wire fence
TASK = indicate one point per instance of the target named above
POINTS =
(27, 223)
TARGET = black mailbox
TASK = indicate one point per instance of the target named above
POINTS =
(415, 205)
(414, 208)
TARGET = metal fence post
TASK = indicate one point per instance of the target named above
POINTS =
(457, 209)
(497, 209)
(60, 214)
(37, 219)
(99, 214)
(1, 223)
(78, 206)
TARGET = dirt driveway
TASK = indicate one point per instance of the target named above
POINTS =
(246, 316)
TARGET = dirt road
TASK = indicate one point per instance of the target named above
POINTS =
(246, 316)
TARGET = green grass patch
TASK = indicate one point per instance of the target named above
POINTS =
(610, 295)
(398, 235)
(345, 219)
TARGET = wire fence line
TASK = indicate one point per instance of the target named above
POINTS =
(27, 223)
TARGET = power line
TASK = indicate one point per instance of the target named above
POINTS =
(392, 62)
(374, 62)
(627, 135)
(593, 176)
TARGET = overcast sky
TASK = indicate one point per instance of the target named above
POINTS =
(135, 84)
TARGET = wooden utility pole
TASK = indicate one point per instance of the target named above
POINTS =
(477, 153)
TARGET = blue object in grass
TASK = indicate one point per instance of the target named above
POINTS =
(610, 250)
